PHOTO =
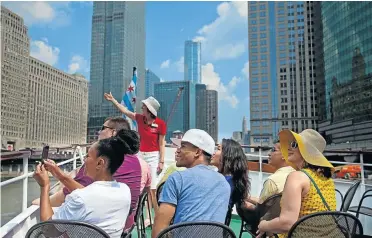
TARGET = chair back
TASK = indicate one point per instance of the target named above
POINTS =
(228, 215)
(270, 208)
(65, 229)
(158, 192)
(200, 229)
(327, 225)
(139, 217)
(348, 198)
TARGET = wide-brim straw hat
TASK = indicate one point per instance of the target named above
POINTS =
(152, 104)
(310, 143)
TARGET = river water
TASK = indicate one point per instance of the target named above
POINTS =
(11, 198)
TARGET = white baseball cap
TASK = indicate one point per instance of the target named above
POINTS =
(198, 138)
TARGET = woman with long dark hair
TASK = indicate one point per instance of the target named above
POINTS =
(231, 161)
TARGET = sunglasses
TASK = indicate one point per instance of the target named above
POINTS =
(106, 127)
(294, 145)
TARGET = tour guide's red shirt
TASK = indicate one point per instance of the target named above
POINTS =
(149, 134)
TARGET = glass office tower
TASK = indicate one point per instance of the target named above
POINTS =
(118, 45)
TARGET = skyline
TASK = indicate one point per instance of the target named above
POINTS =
(61, 36)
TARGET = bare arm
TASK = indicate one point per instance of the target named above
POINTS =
(46, 211)
(161, 147)
(56, 199)
(122, 109)
(163, 218)
(296, 185)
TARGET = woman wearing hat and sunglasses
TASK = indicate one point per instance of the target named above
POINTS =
(308, 190)
(152, 131)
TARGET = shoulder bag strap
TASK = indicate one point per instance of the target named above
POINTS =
(317, 189)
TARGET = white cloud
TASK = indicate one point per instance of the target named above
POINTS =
(162, 80)
(180, 64)
(227, 36)
(44, 52)
(165, 64)
(78, 64)
(40, 13)
(245, 70)
(213, 81)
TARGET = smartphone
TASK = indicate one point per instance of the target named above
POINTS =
(45, 153)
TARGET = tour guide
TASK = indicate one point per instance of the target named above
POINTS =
(152, 132)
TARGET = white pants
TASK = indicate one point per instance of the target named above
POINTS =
(152, 159)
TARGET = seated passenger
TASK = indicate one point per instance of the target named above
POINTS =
(274, 184)
(308, 190)
(231, 162)
(104, 203)
(129, 172)
(197, 193)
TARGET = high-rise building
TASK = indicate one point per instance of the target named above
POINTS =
(345, 78)
(118, 45)
(57, 106)
(150, 79)
(282, 68)
(183, 116)
(192, 61)
(212, 113)
(15, 50)
(201, 106)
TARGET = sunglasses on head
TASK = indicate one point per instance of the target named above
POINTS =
(294, 145)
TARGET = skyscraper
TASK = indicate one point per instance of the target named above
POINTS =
(192, 61)
(212, 113)
(201, 106)
(183, 116)
(282, 68)
(345, 82)
(150, 79)
(15, 50)
(118, 44)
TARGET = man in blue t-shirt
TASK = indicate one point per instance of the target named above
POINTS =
(198, 193)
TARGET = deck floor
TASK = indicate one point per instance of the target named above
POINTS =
(234, 225)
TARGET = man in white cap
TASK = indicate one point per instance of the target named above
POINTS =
(152, 131)
(198, 193)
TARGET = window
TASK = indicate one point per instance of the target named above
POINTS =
(263, 50)
(262, 14)
(265, 86)
(262, 28)
(253, 22)
(263, 42)
(262, 7)
(263, 35)
(262, 21)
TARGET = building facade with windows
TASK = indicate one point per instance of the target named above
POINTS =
(150, 79)
(57, 106)
(282, 68)
(345, 85)
(15, 50)
(118, 45)
(192, 61)
(183, 116)
(212, 113)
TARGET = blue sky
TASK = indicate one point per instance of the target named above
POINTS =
(60, 35)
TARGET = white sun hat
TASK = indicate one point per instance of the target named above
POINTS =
(152, 104)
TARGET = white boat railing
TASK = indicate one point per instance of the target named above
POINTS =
(79, 154)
